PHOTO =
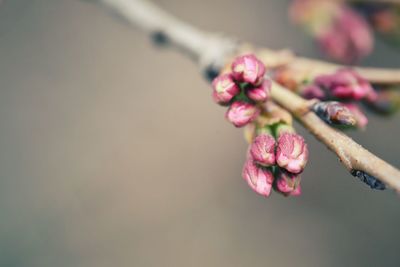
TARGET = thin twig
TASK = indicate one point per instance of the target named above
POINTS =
(216, 50)
(314, 68)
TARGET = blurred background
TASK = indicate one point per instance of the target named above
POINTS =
(113, 153)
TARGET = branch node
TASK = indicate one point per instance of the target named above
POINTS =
(160, 38)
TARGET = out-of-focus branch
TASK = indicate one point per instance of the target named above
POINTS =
(208, 49)
(313, 68)
(215, 50)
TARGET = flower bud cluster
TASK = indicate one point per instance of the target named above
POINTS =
(344, 85)
(242, 89)
(276, 158)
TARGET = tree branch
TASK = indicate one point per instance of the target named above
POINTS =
(353, 156)
(210, 50)
(214, 50)
(314, 68)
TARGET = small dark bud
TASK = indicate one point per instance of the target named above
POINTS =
(211, 72)
(334, 113)
(159, 38)
(370, 180)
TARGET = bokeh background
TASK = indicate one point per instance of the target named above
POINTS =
(113, 154)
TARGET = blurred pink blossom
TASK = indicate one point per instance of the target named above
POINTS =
(342, 33)
(345, 84)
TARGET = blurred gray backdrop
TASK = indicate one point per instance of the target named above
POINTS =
(113, 153)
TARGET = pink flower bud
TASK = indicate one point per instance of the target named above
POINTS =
(347, 38)
(241, 113)
(287, 183)
(341, 33)
(360, 117)
(292, 152)
(313, 91)
(224, 89)
(372, 95)
(258, 178)
(263, 150)
(260, 93)
(248, 69)
(345, 84)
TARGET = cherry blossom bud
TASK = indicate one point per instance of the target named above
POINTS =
(263, 150)
(260, 93)
(224, 89)
(344, 84)
(291, 152)
(286, 182)
(313, 91)
(348, 38)
(248, 69)
(372, 95)
(341, 33)
(334, 113)
(241, 113)
(360, 117)
(258, 178)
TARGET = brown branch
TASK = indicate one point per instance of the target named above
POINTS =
(313, 68)
(352, 155)
(215, 50)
